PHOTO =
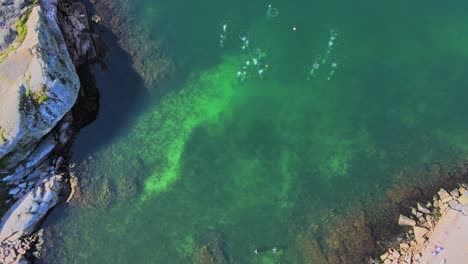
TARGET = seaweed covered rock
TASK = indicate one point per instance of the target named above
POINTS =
(346, 239)
(150, 57)
(310, 248)
(350, 240)
(96, 194)
(38, 82)
(210, 251)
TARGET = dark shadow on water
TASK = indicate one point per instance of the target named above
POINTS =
(121, 95)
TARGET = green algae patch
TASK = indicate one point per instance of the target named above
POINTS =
(186, 246)
(202, 100)
(165, 128)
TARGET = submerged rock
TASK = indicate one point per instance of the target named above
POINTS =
(210, 252)
(38, 82)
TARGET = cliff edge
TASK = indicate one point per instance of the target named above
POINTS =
(39, 86)
(38, 81)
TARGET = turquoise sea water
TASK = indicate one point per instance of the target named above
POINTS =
(245, 151)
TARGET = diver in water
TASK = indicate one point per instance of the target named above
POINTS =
(242, 75)
(222, 38)
(271, 12)
(333, 37)
(331, 44)
(223, 34)
(334, 67)
(244, 37)
(257, 55)
(254, 61)
(245, 45)
(261, 70)
(315, 67)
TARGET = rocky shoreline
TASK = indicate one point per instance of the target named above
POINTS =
(41, 45)
(367, 228)
(422, 223)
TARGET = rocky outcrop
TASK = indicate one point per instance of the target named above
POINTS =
(22, 219)
(38, 81)
(11, 12)
(38, 87)
(425, 220)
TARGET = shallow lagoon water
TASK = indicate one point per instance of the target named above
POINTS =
(250, 160)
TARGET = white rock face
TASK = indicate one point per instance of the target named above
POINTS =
(22, 219)
(38, 86)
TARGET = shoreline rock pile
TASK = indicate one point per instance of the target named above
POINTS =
(422, 222)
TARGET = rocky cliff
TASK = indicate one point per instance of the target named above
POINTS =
(38, 82)
(38, 87)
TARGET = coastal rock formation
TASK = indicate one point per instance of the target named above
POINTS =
(38, 87)
(20, 222)
(22, 219)
(416, 244)
(10, 12)
(38, 81)
(210, 251)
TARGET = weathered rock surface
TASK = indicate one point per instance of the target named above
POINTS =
(10, 12)
(406, 221)
(419, 233)
(38, 82)
(422, 209)
(22, 219)
(38, 87)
